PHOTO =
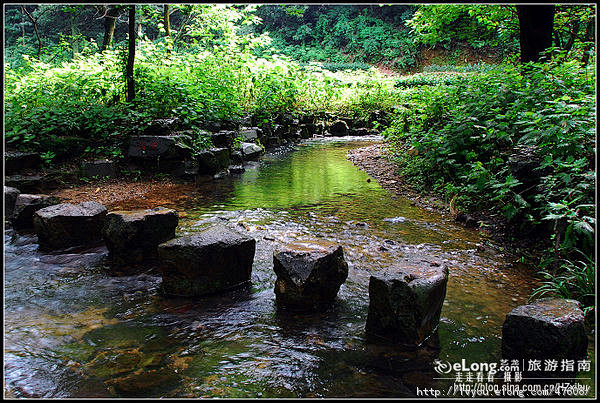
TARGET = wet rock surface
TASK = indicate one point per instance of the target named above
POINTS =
(214, 260)
(132, 237)
(309, 274)
(64, 225)
(26, 205)
(549, 328)
(10, 198)
(405, 304)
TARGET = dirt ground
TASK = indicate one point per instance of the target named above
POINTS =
(122, 194)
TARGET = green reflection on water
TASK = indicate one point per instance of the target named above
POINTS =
(303, 178)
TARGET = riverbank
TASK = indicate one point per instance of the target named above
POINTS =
(373, 160)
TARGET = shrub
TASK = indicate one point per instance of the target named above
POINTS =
(463, 136)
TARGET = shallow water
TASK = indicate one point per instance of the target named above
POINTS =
(73, 330)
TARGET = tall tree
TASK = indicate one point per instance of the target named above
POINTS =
(166, 20)
(34, 21)
(589, 38)
(131, 55)
(110, 20)
(535, 23)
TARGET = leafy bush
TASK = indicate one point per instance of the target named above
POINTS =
(575, 279)
(416, 80)
(341, 34)
(468, 68)
(78, 107)
(461, 140)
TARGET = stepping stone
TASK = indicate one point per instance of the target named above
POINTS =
(65, 225)
(26, 205)
(549, 328)
(15, 162)
(214, 260)
(309, 274)
(10, 198)
(405, 304)
(132, 237)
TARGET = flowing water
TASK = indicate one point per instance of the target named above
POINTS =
(73, 330)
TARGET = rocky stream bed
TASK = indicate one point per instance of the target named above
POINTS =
(75, 329)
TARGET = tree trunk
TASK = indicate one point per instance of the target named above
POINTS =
(74, 34)
(23, 26)
(131, 55)
(110, 20)
(535, 22)
(589, 38)
(574, 29)
(167, 20)
(35, 29)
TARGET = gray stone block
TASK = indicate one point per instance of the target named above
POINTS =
(405, 304)
(309, 274)
(214, 260)
(65, 225)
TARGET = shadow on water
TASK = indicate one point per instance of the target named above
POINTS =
(72, 330)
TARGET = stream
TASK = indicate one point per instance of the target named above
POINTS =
(72, 330)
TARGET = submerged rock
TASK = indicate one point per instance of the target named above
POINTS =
(405, 304)
(10, 198)
(132, 237)
(549, 328)
(26, 205)
(65, 225)
(309, 274)
(214, 260)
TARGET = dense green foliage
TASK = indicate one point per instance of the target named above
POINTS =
(464, 140)
(80, 103)
(475, 25)
(338, 34)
